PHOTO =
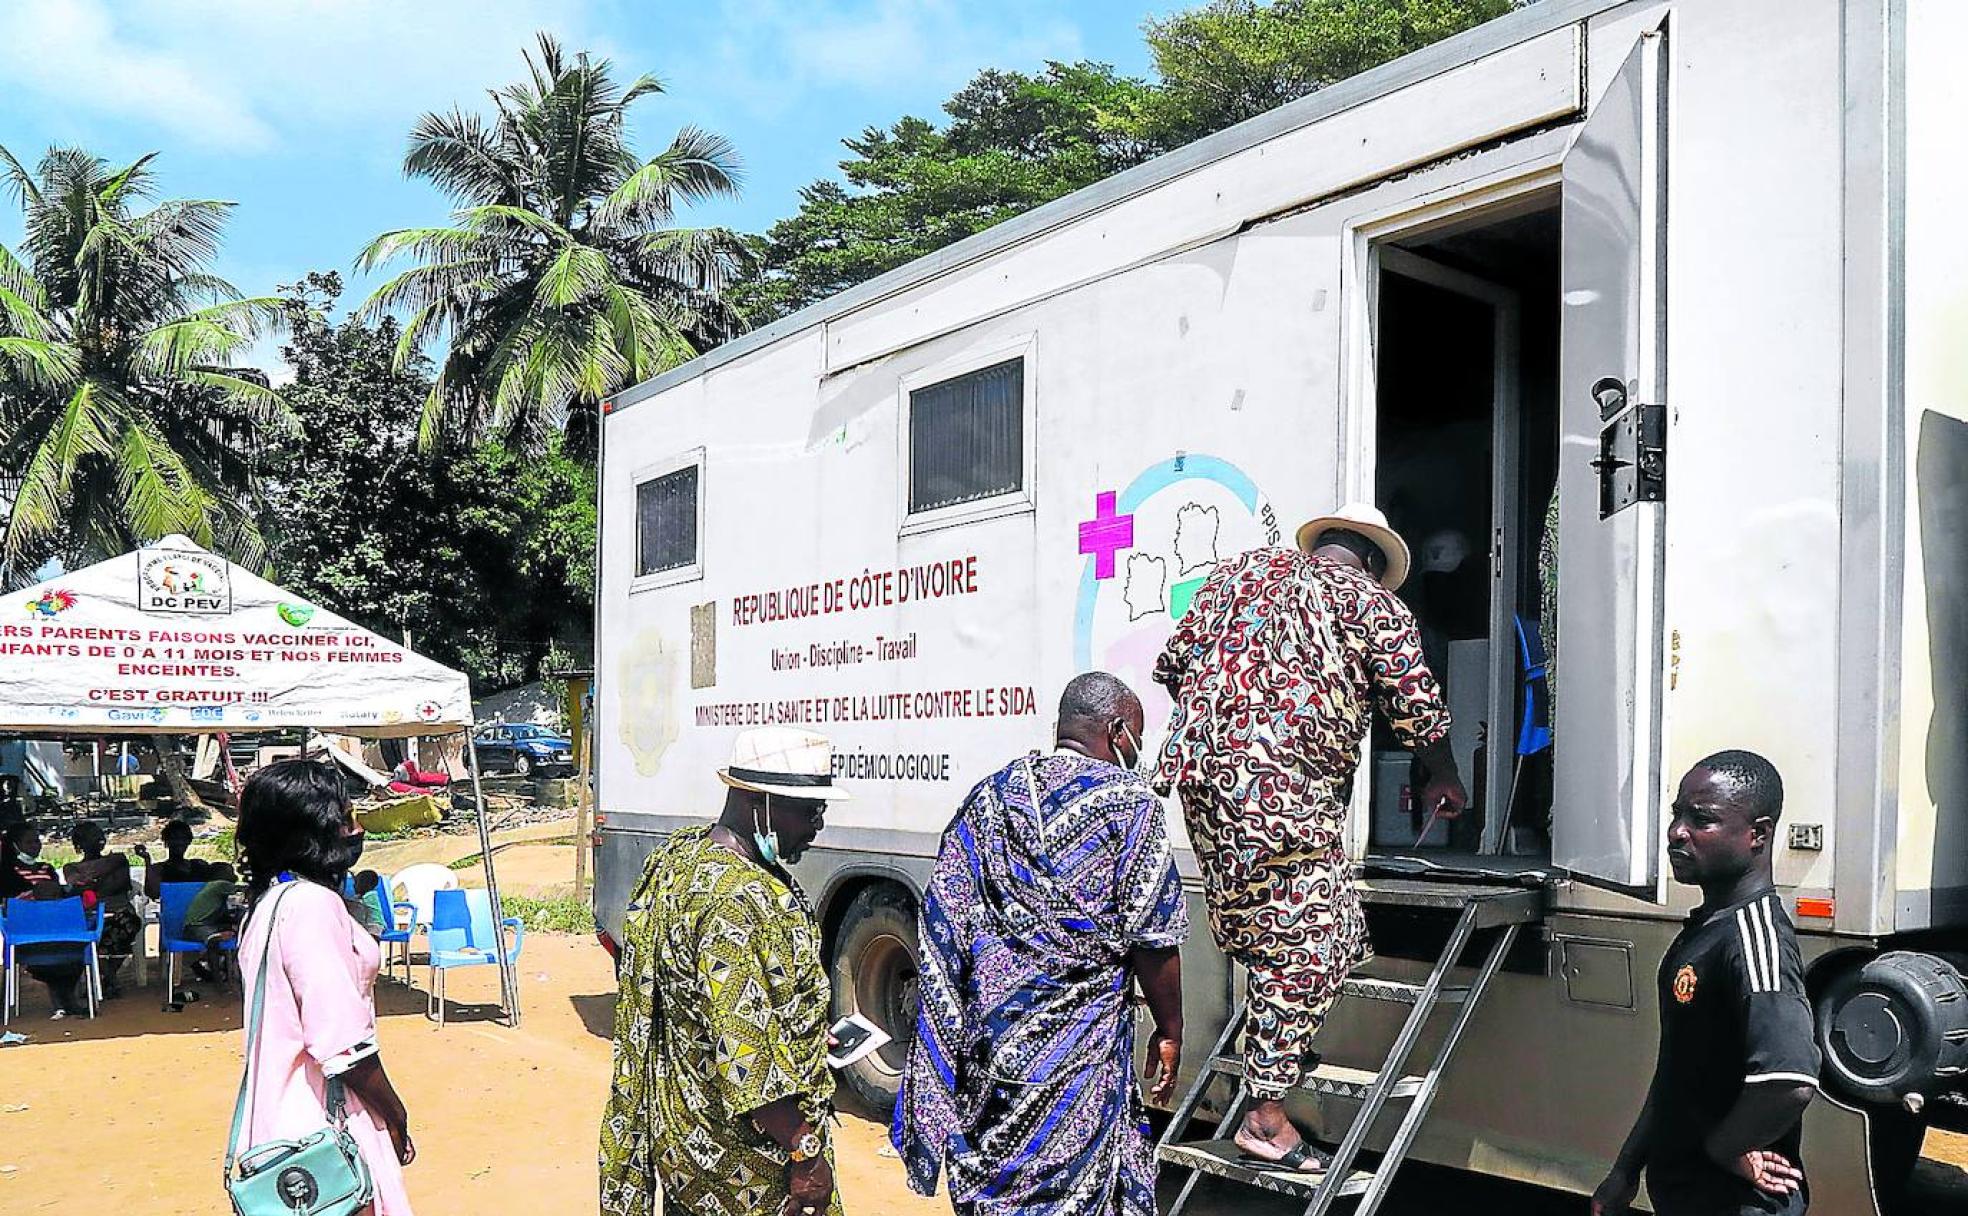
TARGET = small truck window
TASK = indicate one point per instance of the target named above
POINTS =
(666, 522)
(967, 437)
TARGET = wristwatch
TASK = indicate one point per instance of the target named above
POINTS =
(806, 1148)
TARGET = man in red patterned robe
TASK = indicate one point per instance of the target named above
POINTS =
(1274, 670)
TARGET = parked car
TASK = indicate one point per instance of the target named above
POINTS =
(525, 750)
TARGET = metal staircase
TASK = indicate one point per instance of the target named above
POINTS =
(1496, 911)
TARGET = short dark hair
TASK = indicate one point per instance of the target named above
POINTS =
(86, 831)
(1094, 697)
(177, 827)
(291, 816)
(1755, 778)
(1356, 544)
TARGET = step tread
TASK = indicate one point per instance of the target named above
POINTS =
(1369, 988)
(1496, 904)
(1329, 1078)
(1222, 1158)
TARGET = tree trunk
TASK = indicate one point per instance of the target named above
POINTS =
(171, 766)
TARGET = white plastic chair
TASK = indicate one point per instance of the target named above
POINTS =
(411, 890)
(413, 885)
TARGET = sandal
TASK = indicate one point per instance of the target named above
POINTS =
(1301, 1158)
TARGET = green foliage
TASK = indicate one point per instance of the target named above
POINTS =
(475, 860)
(1015, 141)
(563, 914)
(223, 844)
(120, 410)
(483, 557)
(1234, 59)
(560, 279)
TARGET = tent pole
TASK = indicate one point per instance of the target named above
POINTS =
(508, 982)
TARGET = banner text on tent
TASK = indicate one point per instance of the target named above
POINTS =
(186, 655)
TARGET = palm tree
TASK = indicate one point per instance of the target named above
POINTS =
(560, 279)
(121, 416)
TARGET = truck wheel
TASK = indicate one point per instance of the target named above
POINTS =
(874, 968)
(1894, 1027)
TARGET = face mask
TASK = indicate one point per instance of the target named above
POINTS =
(767, 842)
(347, 853)
(1134, 765)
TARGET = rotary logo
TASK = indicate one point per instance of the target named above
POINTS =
(1684, 983)
(53, 603)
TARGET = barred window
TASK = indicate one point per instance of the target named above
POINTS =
(967, 437)
(666, 522)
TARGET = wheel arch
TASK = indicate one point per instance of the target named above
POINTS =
(849, 883)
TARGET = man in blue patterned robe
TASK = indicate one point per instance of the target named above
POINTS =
(1054, 888)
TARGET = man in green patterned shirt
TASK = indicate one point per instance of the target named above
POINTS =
(721, 1094)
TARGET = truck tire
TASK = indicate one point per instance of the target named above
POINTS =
(874, 974)
(1895, 1027)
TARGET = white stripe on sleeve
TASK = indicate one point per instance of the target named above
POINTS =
(1774, 971)
(1751, 964)
(1795, 1078)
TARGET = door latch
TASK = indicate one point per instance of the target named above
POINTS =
(1632, 463)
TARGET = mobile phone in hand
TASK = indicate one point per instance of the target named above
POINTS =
(855, 1038)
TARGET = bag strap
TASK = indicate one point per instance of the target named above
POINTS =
(253, 1033)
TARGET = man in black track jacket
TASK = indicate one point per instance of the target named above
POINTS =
(1719, 1133)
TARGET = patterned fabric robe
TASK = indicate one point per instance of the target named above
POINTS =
(722, 1010)
(1274, 671)
(1020, 1079)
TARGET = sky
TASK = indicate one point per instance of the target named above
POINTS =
(298, 110)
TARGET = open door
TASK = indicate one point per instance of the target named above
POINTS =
(1495, 540)
(1612, 386)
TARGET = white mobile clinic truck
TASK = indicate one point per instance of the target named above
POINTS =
(1697, 268)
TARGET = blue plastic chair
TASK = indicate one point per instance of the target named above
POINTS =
(395, 933)
(174, 900)
(462, 935)
(47, 922)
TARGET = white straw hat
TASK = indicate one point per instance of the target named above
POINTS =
(1365, 519)
(783, 761)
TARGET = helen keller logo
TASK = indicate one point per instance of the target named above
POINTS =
(183, 582)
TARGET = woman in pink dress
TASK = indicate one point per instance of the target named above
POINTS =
(298, 839)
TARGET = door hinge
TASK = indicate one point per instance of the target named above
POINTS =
(1632, 460)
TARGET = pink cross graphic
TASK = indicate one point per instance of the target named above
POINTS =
(1106, 534)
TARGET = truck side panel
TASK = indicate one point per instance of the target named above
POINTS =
(1933, 775)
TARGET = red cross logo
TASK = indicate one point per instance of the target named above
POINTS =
(1105, 534)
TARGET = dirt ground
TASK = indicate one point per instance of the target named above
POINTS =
(504, 1120)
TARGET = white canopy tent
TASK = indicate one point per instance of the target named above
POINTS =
(173, 639)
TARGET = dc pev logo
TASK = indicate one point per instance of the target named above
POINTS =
(183, 582)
